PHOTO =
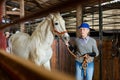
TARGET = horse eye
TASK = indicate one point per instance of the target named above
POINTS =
(56, 23)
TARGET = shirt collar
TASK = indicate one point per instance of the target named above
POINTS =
(85, 38)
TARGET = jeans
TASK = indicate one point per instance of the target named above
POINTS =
(80, 71)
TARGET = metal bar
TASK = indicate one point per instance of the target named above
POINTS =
(93, 18)
(100, 38)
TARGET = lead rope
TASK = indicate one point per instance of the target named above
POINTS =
(71, 52)
(84, 63)
(84, 66)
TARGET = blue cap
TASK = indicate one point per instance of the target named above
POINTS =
(84, 25)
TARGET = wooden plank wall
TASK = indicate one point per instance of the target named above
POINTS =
(111, 66)
(64, 62)
(61, 59)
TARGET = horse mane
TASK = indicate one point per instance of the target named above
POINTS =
(42, 31)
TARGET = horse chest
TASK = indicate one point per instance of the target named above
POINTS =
(49, 40)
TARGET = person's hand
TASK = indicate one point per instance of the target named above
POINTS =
(86, 56)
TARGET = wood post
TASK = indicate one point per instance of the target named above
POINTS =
(78, 17)
(2, 9)
(22, 26)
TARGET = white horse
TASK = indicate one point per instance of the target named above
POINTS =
(37, 47)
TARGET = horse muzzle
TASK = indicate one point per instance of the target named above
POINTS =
(66, 38)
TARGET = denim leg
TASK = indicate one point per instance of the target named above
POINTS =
(90, 71)
(80, 72)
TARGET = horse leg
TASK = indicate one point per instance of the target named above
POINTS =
(47, 65)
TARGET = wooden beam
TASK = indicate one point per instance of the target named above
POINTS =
(22, 13)
(78, 15)
(62, 7)
(20, 69)
(78, 18)
(13, 13)
(2, 9)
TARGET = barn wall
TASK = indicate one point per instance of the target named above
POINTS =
(64, 62)
(111, 66)
(61, 59)
(2, 36)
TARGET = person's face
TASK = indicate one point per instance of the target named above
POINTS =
(7, 34)
(83, 32)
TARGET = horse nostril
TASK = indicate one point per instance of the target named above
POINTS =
(65, 38)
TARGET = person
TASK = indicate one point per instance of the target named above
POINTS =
(7, 35)
(86, 49)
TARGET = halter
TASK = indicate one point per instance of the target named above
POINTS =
(60, 32)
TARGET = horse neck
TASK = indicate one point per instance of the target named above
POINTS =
(43, 31)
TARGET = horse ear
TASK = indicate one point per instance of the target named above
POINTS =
(50, 15)
(57, 12)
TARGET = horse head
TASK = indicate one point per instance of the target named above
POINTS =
(59, 27)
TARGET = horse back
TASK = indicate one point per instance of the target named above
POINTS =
(19, 44)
